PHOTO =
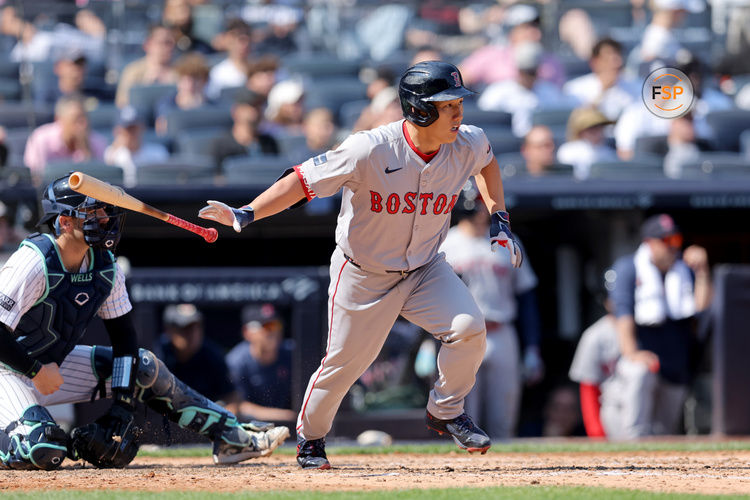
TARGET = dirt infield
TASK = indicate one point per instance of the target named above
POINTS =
(720, 472)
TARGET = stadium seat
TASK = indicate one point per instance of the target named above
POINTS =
(15, 140)
(10, 89)
(177, 170)
(8, 68)
(717, 165)
(551, 117)
(319, 65)
(144, 98)
(197, 142)
(484, 119)
(333, 93)
(511, 164)
(95, 168)
(604, 15)
(745, 144)
(228, 94)
(180, 120)
(103, 117)
(14, 176)
(22, 115)
(644, 167)
(655, 145)
(254, 170)
(502, 140)
(350, 111)
(727, 126)
(290, 144)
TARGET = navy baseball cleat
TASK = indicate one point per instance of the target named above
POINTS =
(463, 431)
(312, 454)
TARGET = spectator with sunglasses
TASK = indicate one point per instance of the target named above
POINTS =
(260, 366)
(657, 295)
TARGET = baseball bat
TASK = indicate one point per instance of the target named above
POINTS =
(93, 187)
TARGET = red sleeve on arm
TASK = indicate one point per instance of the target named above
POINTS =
(309, 194)
(590, 409)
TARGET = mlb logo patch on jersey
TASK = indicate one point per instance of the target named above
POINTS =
(6, 302)
(320, 159)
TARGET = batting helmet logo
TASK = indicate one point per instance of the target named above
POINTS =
(425, 83)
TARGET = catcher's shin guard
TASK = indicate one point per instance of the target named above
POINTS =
(165, 393)
(34, 441)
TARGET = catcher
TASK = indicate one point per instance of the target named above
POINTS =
(50, 289)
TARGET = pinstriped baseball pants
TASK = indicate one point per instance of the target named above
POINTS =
(17, 392)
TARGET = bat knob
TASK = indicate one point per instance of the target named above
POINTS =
(212, 235)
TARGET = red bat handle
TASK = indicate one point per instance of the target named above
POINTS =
(209, 234)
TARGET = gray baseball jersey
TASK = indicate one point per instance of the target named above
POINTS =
(597, 353)
(491, 278)
(395, 211)
(494, 283)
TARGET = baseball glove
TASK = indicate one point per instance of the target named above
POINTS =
(112, 441)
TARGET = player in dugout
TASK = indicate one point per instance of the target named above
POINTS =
(50, 290)
(400, 182)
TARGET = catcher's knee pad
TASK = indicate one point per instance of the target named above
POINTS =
(162, 391)
(34, 441)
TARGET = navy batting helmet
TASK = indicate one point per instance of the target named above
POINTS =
(425, 83)
(98, 230)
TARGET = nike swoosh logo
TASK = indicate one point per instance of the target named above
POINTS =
(389, 171)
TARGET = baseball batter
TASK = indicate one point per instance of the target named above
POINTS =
(50, 290)
(399, 183)
(502, 293)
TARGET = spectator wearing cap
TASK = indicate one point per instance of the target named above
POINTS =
(285, 109)
(232, 71)
(128, 151)
(604, 88)
(68, 138)
(244, 139)
(586, 144)
(658, 293)
(192, 75)
(260, 366)
(524, 93)
(497, 61)
(193, 358)
(154, 68)
(70, 70)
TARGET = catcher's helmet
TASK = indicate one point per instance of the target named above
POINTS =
(425, 83)
(98, 230)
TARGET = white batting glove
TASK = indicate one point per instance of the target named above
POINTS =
(224, 214)
(500, 235)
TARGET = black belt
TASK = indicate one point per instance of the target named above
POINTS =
(403, 274)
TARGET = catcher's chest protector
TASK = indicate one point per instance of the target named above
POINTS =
(55, 324)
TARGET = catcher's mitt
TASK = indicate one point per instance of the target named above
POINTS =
(112, 441)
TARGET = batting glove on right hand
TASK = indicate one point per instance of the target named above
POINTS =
(500, 235)
(224, 214)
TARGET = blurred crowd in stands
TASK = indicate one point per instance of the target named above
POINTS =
(232, 91)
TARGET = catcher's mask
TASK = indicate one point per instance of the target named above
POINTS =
(102, 222)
